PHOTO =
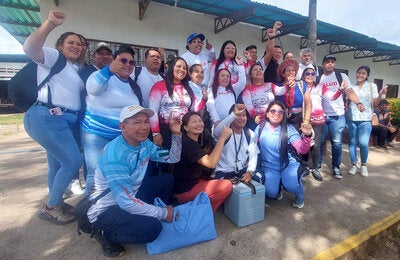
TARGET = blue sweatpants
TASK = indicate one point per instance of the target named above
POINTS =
(287, 177)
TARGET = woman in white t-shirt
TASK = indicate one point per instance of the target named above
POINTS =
(50, 120)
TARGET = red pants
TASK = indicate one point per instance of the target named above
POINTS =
(217, 191)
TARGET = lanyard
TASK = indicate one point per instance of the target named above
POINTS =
(237, 149)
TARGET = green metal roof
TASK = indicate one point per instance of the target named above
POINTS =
(21, 17)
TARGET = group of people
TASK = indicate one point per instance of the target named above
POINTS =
(206, 120)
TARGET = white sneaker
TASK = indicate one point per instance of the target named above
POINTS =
(76, 188)
(353, 170)
(364, 171)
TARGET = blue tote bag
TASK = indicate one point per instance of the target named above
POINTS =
(195, 224)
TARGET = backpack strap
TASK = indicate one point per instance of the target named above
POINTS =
(57, 67)
(135, 87)
(93, 201)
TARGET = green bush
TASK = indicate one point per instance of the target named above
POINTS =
(394, 107)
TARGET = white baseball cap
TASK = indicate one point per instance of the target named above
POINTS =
(130, 111)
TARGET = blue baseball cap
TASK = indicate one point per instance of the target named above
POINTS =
(195, 35)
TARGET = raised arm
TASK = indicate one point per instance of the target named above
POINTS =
(211, 160)
(34, 44)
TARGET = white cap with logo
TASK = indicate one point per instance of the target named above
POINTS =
(130, 111)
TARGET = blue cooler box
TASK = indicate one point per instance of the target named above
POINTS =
(244, 208)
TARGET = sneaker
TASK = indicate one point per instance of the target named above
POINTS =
(316, 174)
(353, 170)
(383, 147)
(280, 196)
(364, 171)
(336, 173)
(55, 215)
(67, 208)
(299, 204)
(76, 187)
(306, 171)
(110, 249)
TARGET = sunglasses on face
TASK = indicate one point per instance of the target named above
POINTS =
(309, 73)
(274, 111)
(125, 61)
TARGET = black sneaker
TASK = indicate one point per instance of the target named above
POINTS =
(316, 174)
(110, 249)
(336, 173)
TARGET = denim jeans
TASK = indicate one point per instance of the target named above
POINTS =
(92, 146)
(120, 226)
(359, 133)
(54, 133)
(334, 125)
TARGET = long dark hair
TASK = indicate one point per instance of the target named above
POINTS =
(283, 154)
(169, 79)
(215, 84)
(221, 57)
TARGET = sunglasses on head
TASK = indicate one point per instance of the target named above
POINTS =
(309, 73)
(274, 111)
(125, 61)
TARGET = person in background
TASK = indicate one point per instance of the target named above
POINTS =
(126, 215)
(317, 117)
(359, 123)
(188, 172)
(335, 120)
(239, 156)
(195, 54)
(305, 62)
(171, 96)
(223, 94)
(108, 91)
(250, 53)
(51, 119)
(288, 56)
(272, 55)
(257, 95)
(385, 130)
(227, 59)
(149, 74)
(196, 74)
(102, 56)
(278, 164)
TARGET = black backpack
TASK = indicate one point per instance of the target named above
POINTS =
(81, 210)
(23, 87)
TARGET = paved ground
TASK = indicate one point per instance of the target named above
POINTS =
(334, 211)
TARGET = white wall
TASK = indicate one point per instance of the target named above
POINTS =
(169, 27)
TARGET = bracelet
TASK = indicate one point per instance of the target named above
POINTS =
(55, 25)
(155, 134)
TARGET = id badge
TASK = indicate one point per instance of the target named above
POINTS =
(56, 111)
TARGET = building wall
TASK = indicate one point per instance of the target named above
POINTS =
(169, 27)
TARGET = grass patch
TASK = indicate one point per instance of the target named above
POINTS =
(11, 119)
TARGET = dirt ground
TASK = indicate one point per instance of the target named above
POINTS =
(334, 211)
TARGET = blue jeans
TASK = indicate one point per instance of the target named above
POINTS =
(334, 125)
(92, 146)
(359, 133)
(123, 227)
(54, 133)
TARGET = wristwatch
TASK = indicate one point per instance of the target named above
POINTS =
(155, 134)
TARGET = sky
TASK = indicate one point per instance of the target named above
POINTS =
(377, 19)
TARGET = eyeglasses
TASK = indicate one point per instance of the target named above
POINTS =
(274, 111)
(125, 61)
(309, 73)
